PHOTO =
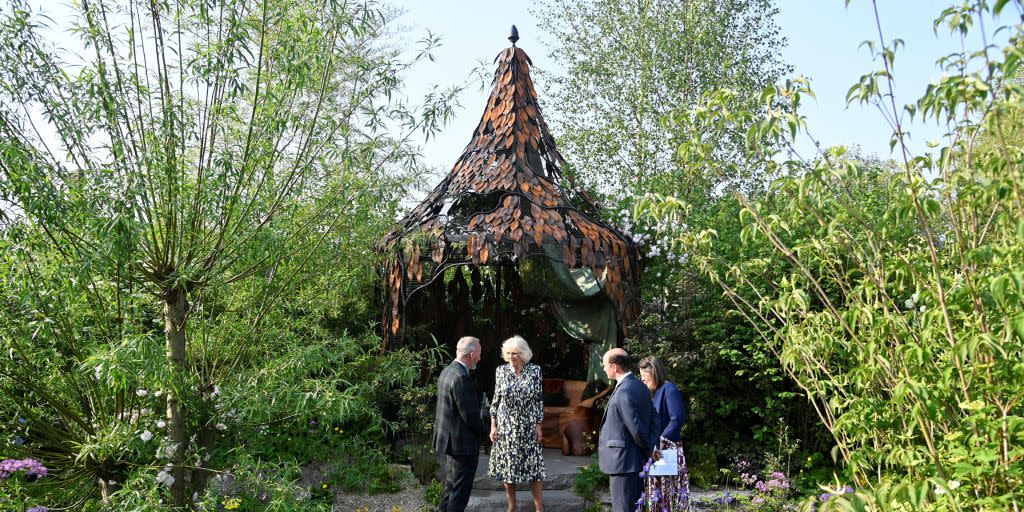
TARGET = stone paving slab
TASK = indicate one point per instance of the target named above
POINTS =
(494, 501)
(561, 470)
(489, 496)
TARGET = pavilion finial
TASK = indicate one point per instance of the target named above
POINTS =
(514, 36)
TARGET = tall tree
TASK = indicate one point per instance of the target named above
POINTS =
(628, 65)
(195, 144)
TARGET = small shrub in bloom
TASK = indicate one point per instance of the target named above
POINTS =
(31, 467)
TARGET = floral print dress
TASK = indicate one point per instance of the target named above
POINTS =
(518, 407)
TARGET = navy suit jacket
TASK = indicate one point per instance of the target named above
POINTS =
(457, 425)
(629, 433)
(671, 410)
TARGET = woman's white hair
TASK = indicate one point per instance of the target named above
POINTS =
(516, 344)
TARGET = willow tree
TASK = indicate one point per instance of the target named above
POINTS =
(189, 145)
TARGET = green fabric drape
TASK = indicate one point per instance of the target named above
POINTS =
(580, 307)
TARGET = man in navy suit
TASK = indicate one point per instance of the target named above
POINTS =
(458, 428)
(629, 433)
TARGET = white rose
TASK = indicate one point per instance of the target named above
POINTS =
(146, 436)
(161, 423)
(141, 392)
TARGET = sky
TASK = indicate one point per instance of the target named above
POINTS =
(823, 39)
(822, 43)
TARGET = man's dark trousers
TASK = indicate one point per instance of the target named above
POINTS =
(627, 487)
(458, 484)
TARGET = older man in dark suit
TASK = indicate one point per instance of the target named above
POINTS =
(629, 433)
(457, 425)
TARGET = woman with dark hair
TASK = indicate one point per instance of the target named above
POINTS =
(670, 409)
(668, 400)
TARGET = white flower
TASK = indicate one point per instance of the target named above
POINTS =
(161, 423)
(158, 393)
(165, 478)
(914, 297)
(921, 309)
(909, 304)
(112, 482)
(141, 392)
(939, 491)
(953, 484)
(146, 436)
(216, 390)
(221, 426)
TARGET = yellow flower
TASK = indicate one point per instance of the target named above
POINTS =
(324, 486)
(232, 503)
(396, 508)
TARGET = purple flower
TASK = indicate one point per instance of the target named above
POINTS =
(31, 467)
(825, 496)
(37, 508)
(848, 489)
(761, 486)
(757, 500)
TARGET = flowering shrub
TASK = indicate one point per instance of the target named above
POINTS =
(771, 492)
(32, 468)
(12, 493)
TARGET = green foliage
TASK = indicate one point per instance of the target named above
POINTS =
(432, 493)
(634, 70)
(898, 311)
(630, 64)
(190, 202)
(588, 485)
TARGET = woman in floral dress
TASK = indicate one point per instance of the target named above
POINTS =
(516, 415)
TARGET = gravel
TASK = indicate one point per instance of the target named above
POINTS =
(408, 499)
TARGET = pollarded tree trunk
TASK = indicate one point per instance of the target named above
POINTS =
(175, 312)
